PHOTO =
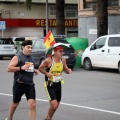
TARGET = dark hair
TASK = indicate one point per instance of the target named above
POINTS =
(26, 42)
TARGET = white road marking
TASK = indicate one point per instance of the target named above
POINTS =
(73, 105)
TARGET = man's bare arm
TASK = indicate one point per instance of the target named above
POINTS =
(65, 67)
(12, 65)
(45, 64)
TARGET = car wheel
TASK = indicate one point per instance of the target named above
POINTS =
(87, 64)
(119, 67)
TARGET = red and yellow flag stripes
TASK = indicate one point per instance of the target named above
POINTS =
(49, 40)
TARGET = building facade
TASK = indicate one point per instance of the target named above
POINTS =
(22, 22)
(87, 21)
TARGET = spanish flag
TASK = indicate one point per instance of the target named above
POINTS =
(49, 40)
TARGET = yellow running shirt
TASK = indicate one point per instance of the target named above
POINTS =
(56, 70)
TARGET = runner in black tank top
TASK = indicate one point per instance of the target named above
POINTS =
(23, 67)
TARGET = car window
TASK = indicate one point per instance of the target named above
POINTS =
(37, 45)
(6, 41)
(114, 41)
(33, 41)
(99, 43)
(42, 45)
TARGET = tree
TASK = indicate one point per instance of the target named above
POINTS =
(102, 17)
(60, 18)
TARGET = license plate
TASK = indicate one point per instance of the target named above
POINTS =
(66, 57)
(7, 47)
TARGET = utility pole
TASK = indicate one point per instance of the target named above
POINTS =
(46, 16)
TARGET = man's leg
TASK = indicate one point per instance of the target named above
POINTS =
(32, 109)
(54, 104)
(12, 109)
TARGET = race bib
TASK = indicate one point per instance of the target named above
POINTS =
(56, 78)
(31, 67)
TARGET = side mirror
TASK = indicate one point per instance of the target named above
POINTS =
(92, 47)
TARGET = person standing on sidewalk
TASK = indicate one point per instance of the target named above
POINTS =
(23, 67)
(53, 67)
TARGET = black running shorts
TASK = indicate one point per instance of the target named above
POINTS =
(53, 92)
(19, 89)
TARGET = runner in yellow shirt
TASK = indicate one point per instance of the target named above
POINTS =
(53, 67)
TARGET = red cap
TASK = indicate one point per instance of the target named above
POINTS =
(58, 48)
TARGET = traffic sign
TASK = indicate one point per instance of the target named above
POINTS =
(2, 25)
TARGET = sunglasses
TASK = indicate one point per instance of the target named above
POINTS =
(61, 51)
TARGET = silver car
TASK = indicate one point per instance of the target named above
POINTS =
(7, 48)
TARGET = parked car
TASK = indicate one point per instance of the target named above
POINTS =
(7, 48)
(39, 52)
(103, 52)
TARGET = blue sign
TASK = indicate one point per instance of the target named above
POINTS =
(2, 25)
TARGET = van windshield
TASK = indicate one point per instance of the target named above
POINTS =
(5, 41)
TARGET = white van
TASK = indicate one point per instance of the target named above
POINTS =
(7, 48)
(103, 52)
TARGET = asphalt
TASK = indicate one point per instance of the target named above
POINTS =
(87, 95)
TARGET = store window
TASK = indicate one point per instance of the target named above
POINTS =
(70, 11)
(52, 10)
(72, 32)
(113, 2)
(89, 4)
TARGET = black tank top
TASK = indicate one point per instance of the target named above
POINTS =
(23, 76)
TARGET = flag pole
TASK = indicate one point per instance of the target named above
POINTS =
(46, 16)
